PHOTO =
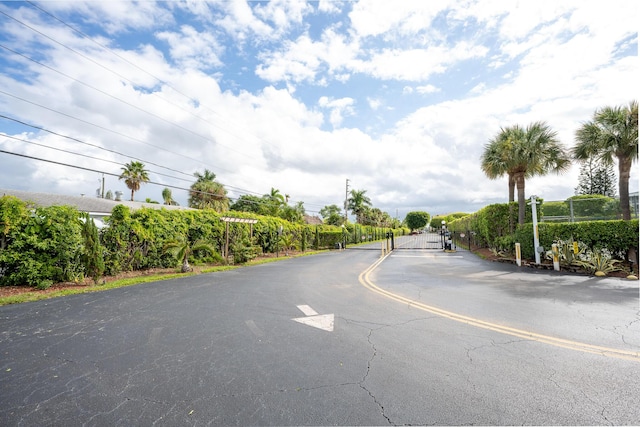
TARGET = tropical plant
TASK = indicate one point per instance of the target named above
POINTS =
(357, 203)
(249, 203)
(611, 133)
(243, 251)
(274, 202)
(182, 249)
(599, 262)
(134, 174)
(332, 215)
(293, 213)
(288, 242)
(92, 257)
(569, 251)
(167, 197)
(495, 160)
(206, 193)
(522, 153)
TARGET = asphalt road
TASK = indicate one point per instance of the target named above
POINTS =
(423, 337)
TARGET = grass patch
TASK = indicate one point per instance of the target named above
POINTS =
(33, 295)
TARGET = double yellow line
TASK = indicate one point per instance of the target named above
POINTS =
(557, 342)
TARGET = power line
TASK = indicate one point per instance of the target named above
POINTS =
(164, 82)
(119, 99)
(84, 155)
(240, 190)
(115, 175)
(116, 98)
(90, 145)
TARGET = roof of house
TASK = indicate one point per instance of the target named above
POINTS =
(312, 220)
(93, 205)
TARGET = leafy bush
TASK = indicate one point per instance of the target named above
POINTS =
(41, 248)
(616, 236)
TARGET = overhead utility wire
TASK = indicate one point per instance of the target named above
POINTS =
(95, 146)
(164, 82)
(113, 174)
(239, 190)
(99, 127)
(85, 155)
(111, 96)
(124, 78)
(102, 172)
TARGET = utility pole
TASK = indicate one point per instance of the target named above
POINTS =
(346, 198)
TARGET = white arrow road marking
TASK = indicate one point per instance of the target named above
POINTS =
(308, 311)
(320, 321)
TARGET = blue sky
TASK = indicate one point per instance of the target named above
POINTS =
(398, 97)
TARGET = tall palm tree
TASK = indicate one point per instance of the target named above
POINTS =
(134, 174)
(274, 201)
(167, 196)
(612, 133)
(357, 203)
(206, 193)
(495, 159)
(525, 152)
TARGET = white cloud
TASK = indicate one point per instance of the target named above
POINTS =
(193, 49)
(427, 89)
(339, 108)
(496, 67)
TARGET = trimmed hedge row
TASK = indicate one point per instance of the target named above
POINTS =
(495, 226)
(615, 236)
(41, 246)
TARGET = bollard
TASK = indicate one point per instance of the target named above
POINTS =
(556, 257)
(382, 247)
(518, 255)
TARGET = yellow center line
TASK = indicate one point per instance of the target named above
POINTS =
(471, 321)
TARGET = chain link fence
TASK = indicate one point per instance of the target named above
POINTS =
(586, 209)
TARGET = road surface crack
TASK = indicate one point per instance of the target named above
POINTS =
(364, 378)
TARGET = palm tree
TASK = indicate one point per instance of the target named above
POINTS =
(181, 249)
(134, 174)
(612, 133)
(206, 193)
(358, 203)
(166, 196)
(495, 159)
(275, 201)
(522, 153)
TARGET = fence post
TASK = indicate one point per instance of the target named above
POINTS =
(556, 257)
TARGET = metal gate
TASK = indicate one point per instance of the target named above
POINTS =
(420, 241)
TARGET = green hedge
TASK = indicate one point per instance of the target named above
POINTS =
(492, 227)
(42, 246)
(615, 236)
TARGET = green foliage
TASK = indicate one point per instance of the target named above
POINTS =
(416, 220)
(182, 249)
(134, 174)
(436, 221)
(566, 251)
(92, 257)
(554, 209)
(249, 203)
(332, 215)
(594, 206)
(42, 248)
(615, 236)
(13, 214)
(599, 261)
(207, 193)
